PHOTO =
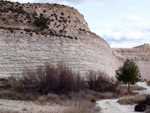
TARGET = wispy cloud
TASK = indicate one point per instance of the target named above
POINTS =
(131, 7)
(135, 18)
(127, 38)
(135, 31)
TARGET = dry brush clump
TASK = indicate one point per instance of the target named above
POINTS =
(55, 84)
(49, 79)
(131, 99)
(80, 106)
(99, 81)
(59, 81)
(123, 91)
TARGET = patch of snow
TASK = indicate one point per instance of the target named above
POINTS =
(112, 106)
(144, 85)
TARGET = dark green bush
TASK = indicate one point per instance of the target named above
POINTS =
(41, 21)
(129, 73)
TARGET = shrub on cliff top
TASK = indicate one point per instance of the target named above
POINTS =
(41, 21)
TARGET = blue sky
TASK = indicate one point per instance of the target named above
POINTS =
(122, 23)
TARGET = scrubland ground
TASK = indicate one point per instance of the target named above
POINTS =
(82, 102)
(10, 106)
(50, 89)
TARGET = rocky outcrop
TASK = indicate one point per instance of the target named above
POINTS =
(65, 38)
(62, 20)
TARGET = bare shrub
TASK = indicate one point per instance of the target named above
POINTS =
(49, 79)
(99, 81)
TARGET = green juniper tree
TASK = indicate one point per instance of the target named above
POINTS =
(41, 21)
(128, 73)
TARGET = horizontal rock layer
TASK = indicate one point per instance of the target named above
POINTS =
(140, 55)
(66, 38)
(88, 51)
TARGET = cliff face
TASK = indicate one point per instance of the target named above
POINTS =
(140, 55)
(65, 38)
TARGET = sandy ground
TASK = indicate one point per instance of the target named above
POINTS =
(107, 105)
(28, 107)
(143, 84)
(111, 105)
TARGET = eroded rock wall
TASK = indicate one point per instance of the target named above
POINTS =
(65, 38)
(21, 50)
(140, 55)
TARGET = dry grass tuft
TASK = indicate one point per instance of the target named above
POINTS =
(99, 81)
(12, 95)
(107, 95)
(123, 90)
(82, 106)
(8, 111)
(52, 98)
(131, 99)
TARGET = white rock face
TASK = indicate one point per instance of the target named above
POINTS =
(20, 50)
(66, 38)
(140, 55)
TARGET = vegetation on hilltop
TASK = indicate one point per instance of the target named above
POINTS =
(41, 21)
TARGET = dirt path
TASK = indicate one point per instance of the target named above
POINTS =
(143, 84)
(112, 106)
